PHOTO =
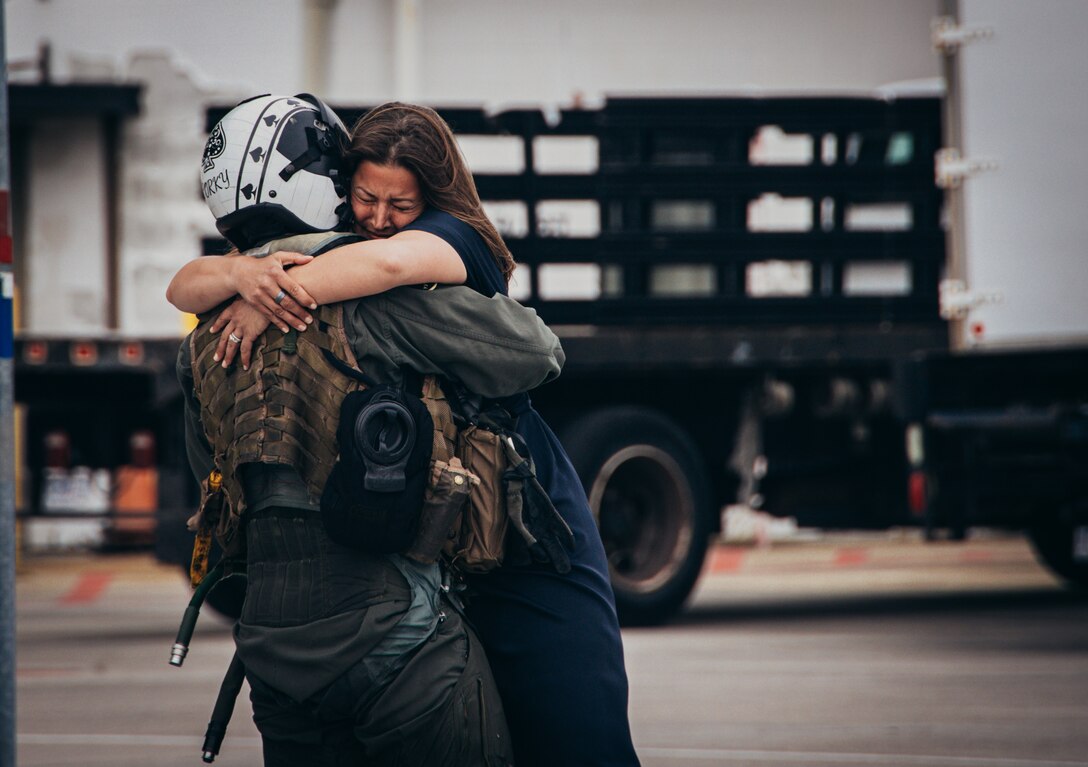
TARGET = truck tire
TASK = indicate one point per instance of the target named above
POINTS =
(648, 492)
(1057, 536)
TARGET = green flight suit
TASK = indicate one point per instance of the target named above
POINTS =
(327, 629)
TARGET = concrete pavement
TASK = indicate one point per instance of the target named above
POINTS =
(874, 650)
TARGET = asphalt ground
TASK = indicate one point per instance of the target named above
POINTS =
(848, 650)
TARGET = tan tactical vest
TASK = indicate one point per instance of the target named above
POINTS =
(283, 410)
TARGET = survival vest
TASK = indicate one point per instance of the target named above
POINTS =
(284, 409)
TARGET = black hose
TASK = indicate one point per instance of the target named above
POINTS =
(192, 612)
(224, 708)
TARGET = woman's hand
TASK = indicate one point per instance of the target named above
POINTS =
(243, 321)
(266, 285)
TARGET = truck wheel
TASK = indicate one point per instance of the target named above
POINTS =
(648, 492)
(1061, 542)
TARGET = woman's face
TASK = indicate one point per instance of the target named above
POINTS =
(384, 199)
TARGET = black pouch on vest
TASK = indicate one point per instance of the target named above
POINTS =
(373, 497)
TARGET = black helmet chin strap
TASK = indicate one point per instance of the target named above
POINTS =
(345, 217)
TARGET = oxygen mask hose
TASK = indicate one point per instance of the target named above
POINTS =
(224, 708)
(192, 612)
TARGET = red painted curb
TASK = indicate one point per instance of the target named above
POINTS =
(848, 557)
(88, 588)
(724, 560)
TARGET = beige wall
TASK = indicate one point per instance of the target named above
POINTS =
(497, 50)
(493, 51)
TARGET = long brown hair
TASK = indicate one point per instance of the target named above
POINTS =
(416, 138)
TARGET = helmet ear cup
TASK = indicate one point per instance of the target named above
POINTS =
(273, 167)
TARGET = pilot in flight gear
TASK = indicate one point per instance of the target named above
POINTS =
(352, 657)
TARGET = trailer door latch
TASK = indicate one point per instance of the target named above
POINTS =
(951, 169)
(948, 36)
(956, 301)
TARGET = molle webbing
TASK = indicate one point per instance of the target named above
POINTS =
(445, 429)
(283, 410)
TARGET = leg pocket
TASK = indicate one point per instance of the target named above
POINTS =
(493, 747)
(416, 698)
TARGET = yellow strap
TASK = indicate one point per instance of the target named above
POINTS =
(202, 544)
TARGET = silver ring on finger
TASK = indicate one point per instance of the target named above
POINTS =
(279, 298)
(234, 339)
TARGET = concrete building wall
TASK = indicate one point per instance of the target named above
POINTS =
(67, 220)
(494, 51)
(241, 41)
(488, 50)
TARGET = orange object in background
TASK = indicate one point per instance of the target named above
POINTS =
(135, 498)
(136, 493)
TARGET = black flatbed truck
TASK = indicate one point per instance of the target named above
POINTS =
(828, 398)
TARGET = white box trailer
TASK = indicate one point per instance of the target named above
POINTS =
(1018, 120)
(997, 429)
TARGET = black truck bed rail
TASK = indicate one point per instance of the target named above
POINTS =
(676, 185)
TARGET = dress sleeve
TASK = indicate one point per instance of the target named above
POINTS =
(483, 273)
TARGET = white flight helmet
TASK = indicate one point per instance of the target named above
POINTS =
(272, 168)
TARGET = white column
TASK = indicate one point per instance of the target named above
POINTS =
(317, 54)
(406, 49)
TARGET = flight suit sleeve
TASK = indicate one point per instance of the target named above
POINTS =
(196, 446)
(494, 346)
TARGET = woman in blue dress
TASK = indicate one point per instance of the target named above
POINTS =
(553, 639)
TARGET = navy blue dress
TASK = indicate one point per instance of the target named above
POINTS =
(553, 640)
